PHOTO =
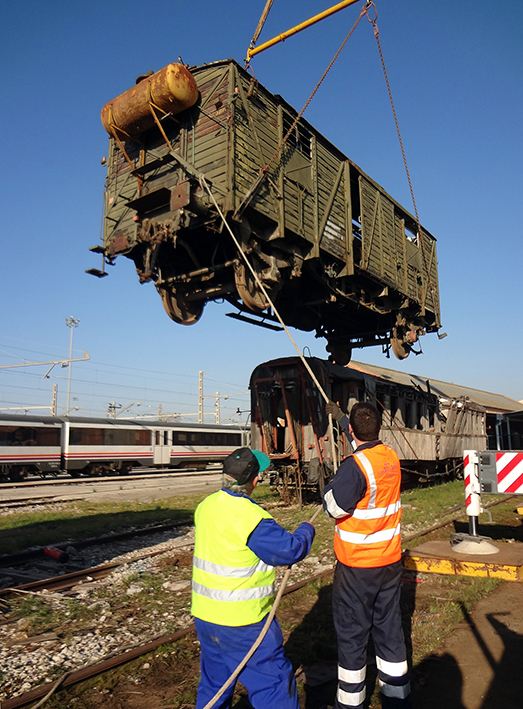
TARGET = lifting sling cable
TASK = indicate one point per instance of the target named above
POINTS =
(373, 21)
(265, 170)
(259, 27)
(294, 30)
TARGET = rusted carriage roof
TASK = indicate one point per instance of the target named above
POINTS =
(493, 403)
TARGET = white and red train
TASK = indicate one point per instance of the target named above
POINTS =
(90, 446)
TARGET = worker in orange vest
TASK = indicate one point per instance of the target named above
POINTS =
(364, 499)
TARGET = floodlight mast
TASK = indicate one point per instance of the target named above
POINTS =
(71, 323)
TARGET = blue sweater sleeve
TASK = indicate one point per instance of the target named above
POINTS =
(276, 546)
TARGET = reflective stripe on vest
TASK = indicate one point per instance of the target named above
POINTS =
(354, 538)
(370, 536)
(228, 571)
(377, 512)
(248, 594)
(230, 584)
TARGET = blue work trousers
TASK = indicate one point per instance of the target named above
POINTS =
(367, 602)
(268, 676)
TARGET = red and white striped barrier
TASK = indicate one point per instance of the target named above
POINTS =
(509, 472)
(472, 484)
(493, 472)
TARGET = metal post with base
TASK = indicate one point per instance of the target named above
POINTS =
(472, 543)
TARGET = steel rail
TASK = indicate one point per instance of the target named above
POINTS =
(434, 527)
(27, 555)
(120, 659)
(92, 670)
(113, 478)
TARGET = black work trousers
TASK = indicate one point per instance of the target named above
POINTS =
(367, 602)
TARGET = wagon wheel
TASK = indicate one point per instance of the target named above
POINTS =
(17, 474)
(249, 290)
(401, 349)
(402, 346)
(340, 352)
(179, 309)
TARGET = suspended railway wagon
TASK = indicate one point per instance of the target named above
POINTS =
(289, 423)
(89, 446)
(335, 253)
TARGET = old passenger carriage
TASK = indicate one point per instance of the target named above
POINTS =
(428, 423)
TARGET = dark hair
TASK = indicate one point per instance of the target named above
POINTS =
(365, 421)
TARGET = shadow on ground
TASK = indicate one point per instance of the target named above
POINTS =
(79, 528)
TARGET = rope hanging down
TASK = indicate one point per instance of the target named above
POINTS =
(204, 184)
(373, 21)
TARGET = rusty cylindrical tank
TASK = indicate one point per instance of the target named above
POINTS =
(172, 89)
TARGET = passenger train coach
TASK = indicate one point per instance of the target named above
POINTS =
(429, 423)
(90, 446)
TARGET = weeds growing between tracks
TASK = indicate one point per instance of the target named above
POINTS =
(432, 605)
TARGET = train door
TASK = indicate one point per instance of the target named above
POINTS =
(161, 447)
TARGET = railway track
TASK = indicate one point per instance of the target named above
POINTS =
(67, 580)
(28, 555)
(121, 658)
(145, 474)
(125, 655)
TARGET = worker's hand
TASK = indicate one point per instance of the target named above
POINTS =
(334, 409)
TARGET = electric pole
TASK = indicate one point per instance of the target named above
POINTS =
(71, 323)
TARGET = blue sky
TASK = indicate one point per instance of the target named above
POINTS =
(455, 72)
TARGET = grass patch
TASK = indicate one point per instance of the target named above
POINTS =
(79, 520)
(431, 609)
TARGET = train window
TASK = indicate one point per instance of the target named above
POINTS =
(157, 438)
(29, 436)
(108, 437)
(408, 414)
(86, 436)
(47, 436)
(142, 438)
(195, 438)
(393, 407)
(418, 409)
(234, 439)
(166, 438)
(126, 437)
(179, 438)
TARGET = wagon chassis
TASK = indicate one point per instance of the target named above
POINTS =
(335, 253)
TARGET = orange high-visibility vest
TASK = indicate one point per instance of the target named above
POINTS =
(370, 536)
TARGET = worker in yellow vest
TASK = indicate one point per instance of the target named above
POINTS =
(364, 499)
(237, 545)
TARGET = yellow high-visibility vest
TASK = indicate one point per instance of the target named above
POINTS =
(230, 584)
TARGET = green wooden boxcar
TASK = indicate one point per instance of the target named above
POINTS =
(335, 253)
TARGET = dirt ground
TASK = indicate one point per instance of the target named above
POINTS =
(477, 667)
